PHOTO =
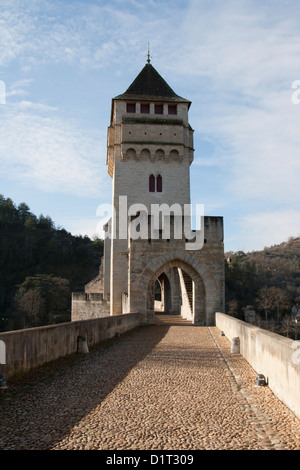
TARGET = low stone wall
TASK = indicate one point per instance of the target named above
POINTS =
(270, 354)
(26, 349)
(87, 306)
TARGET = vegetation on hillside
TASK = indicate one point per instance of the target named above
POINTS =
(268, 280)
(40, 265)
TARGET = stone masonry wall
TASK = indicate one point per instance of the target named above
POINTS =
(88, 306)
(185, 307)
(26, 349)
(147, 259)
(140, 145)
(270, 354)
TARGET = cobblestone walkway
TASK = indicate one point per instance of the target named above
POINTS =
(164, 387)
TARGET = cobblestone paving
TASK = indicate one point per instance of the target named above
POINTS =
(164, 387)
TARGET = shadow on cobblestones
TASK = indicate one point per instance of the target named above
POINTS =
(39, 415)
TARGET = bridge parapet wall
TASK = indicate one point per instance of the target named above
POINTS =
(270, 354)
(32, 347)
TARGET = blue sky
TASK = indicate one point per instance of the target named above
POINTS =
(62, 62)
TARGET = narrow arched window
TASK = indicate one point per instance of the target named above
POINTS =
(151, 183)
(159, 184)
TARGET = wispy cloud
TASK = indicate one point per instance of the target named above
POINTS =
(18, 88)
(265, 147)
(256, 230)
(38, 147)
(244, 55)
(89, 35)
(236, 61)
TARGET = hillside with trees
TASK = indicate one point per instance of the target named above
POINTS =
(40, 265)
(269, 281)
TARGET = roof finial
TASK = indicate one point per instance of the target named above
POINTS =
(148, 53)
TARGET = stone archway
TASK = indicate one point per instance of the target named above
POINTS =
(144, 270)
(197, 306)
(163, 286)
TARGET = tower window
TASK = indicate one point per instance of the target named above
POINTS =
(145, 108)
(155, 184)
(159, 109)
(151, 184)
(130, 107)
(159, 184)
(172, 109)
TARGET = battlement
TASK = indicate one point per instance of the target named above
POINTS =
(87, 296)
(213, 228)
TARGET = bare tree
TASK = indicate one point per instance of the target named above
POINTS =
(264, 301)
(31, 303)
(233, 308)
(287, 325)
(280, 300)
(296, 329)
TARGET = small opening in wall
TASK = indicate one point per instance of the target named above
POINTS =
(151, 183)
(172, 109)
(159, 184)
(155, 184)
(145, 108)
(130, 107)
(159, 109)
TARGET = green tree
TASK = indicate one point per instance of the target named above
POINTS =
(31, 303)
(29, 246)
(42, 297)
(23, 212)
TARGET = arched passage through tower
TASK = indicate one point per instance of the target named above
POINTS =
(163, 294)
(176, 288)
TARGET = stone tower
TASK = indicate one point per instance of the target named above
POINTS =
(149, 153)
(150, 149)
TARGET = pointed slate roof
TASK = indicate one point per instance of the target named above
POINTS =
(149, 85)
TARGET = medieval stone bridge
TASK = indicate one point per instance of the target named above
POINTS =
(167, 386)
